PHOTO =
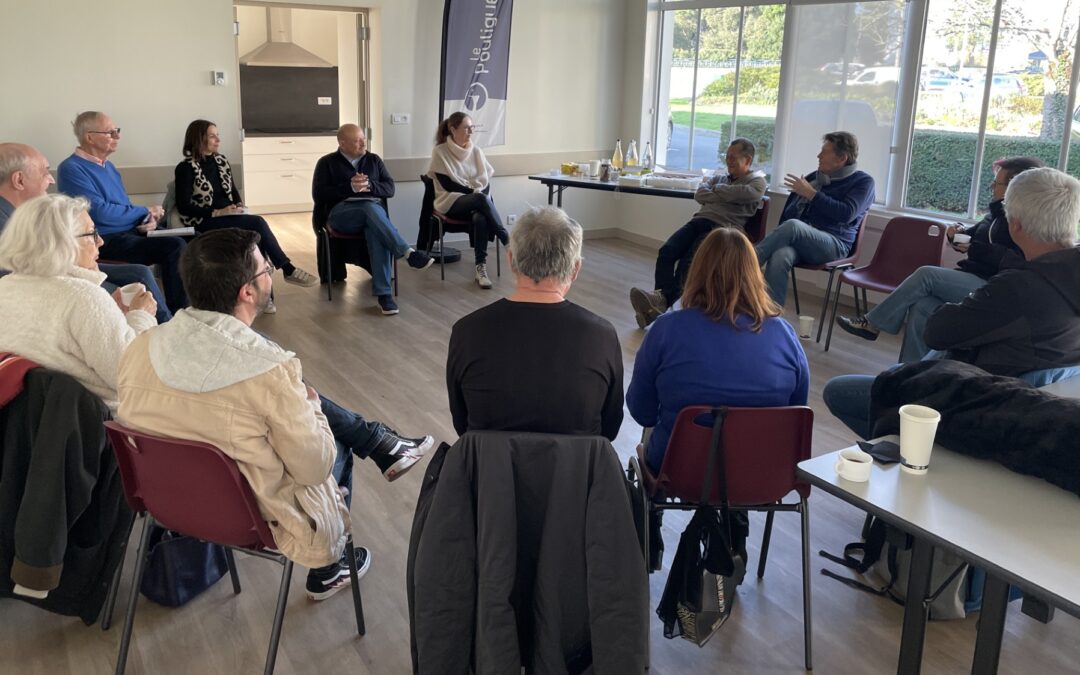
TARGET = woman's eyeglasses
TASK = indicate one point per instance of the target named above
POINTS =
(112, 133)
(92, 233)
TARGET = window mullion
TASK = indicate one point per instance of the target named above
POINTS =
(988, 81)
(1063, 158)
(738, 70)
(693, 96)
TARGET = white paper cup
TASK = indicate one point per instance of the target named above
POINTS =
(594, 168)
(961, 238)
(854, 465)
(918, 426)
(128, 293)
(806, 326)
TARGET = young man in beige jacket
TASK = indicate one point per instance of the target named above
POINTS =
(207, 376)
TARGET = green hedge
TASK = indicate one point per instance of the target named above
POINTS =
(760, 132)
(758, 84)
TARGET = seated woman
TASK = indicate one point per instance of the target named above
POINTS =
(727, 346)
(536, 361)
(207, 198)
(462, 177)
(55, 311)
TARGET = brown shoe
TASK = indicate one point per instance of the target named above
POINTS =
(647, 306)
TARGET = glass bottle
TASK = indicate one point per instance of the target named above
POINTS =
(646, 159)
(631, 154)
(617, 157)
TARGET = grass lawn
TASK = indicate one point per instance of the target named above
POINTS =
(708, 116)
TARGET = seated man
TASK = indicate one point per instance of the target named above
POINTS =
(24, 175)
(821, 216)
(347, 188)
(726, 201)
(1026, 317)
(207, 376)
(123, 225)
(930, 287)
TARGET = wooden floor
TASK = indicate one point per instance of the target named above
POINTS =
(392, 369)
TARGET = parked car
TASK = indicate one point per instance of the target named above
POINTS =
(837, 68)
(876, 75)
(1000, 86)
(938, 79)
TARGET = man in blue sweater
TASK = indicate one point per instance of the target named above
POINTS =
(122, 225)
(348, 188)
(821, 216)
(24, 175)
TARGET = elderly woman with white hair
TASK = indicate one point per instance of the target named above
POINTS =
(55, 311)
(536, 361)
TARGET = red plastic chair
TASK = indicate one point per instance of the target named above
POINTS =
(760, 448)
(907, 244)
(195, 489)
(831, 267)
(445, 224)
(326, 233)
(755, 226)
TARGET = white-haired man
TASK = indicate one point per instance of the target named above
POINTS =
(24, 175)
(123, 225)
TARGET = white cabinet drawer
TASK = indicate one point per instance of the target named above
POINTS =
(283, 162)
(278, 187)
(269, 145)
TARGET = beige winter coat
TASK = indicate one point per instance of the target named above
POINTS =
(206, 376)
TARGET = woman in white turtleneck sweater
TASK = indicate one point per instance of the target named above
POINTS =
(462, 177)
(55, 311)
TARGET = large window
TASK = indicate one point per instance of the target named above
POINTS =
(935, 90)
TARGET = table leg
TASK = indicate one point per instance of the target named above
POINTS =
(551, 194)
(561, 188)
(991, 626)
(916, 610)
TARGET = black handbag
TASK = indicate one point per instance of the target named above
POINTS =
(700, 591)
(178, 567)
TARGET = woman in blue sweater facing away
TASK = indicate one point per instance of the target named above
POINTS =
(728, 345)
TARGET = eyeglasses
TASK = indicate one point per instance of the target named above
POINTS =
(469, 129)
(269, 271)
(92, 233)
(113, 133)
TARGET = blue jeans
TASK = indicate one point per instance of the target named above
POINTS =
(915, 299)
(353, 436)
(848, 399)
(792, 242)
(132, 247)
(122, 275)
(383, 240)
(673, 260)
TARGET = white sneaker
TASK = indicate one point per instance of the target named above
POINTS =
(302, 278)
(482, 278)
(271, 308)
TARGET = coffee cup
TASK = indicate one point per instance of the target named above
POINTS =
(594, 168)
(806, 326)
(583, 168)
(961, 238)
(128, 293)
(918, 426)
(854, 465)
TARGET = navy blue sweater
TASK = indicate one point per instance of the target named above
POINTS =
(331, 183)
(837, 208)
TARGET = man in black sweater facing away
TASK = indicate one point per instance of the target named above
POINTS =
(349, 189)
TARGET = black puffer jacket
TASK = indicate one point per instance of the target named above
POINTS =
(992, 246)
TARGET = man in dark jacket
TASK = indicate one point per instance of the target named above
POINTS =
(349, 189)
(821, 216)
(990, 247)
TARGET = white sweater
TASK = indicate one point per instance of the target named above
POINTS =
(465, 166)
(69, 324)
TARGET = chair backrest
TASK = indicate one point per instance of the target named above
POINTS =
(907, 244)
(189, 487)
(853, 254)
(13, 370)
(755, 226)
(761, 448)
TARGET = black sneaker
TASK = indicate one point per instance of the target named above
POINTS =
(387, 305)
(859, 326)
(395, 454)
(325, 581)
(418, 260)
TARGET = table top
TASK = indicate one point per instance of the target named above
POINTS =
(1069, 387)
(609, 186)
(1022, 529)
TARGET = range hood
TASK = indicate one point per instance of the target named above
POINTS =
(280, 50)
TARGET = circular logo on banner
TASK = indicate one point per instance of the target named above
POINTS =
(476, 96)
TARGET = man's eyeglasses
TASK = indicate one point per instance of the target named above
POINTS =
(269, 271)
(114, 133)
(92, 233)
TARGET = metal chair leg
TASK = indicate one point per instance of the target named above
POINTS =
(329, 268)
(835, 309)
(358, 603)
(804, 513)
(858, 309)
(394, 264)
(795, 291)
(498, 259)
(825, 305)
(110, 599)
(136, 581)
(865, 303)
(765, 538)
(230, 562)
(442, 251)
(279, 617)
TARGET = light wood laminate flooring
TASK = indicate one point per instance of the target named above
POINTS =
(392, 369)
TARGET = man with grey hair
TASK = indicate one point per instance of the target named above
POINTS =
(24, 175)
(821, 216)
(727, 200)
(536, 361)
(123, 226)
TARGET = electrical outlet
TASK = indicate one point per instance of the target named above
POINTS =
(399, 118)
(217, 78)
(510, 220)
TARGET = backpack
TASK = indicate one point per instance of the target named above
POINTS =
(884, 555)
